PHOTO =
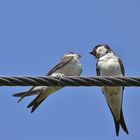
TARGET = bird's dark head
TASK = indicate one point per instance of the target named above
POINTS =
(100, 50)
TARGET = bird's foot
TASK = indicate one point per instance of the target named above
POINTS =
(58, 75)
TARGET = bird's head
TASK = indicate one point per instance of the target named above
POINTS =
(101, 50)
(72, 54)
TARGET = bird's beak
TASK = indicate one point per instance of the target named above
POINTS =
(79, 56)
(91, 53)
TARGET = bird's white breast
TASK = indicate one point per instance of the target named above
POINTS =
(109, 67)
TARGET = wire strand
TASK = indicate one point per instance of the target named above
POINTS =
(69, 81)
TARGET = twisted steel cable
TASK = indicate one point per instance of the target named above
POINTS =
(69, 81)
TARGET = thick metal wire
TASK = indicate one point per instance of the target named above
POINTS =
(68, 81)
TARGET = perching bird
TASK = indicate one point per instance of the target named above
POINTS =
(108, 64)
(68, 66)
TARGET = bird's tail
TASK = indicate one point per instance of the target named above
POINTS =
(20, 94)
(121, 123)
(32, 91)
(44, 93)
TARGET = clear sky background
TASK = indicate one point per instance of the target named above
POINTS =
(34, 34)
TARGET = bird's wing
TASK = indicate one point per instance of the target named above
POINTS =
(121, 66)
(63, 62)
(97, 69)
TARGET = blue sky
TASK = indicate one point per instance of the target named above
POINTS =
(34, 34)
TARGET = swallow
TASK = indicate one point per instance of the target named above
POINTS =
(69, 65)
(108, 64)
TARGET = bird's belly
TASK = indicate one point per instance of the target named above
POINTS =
(110, 69)
(72, 70)
(113, 96)
(111, 90)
